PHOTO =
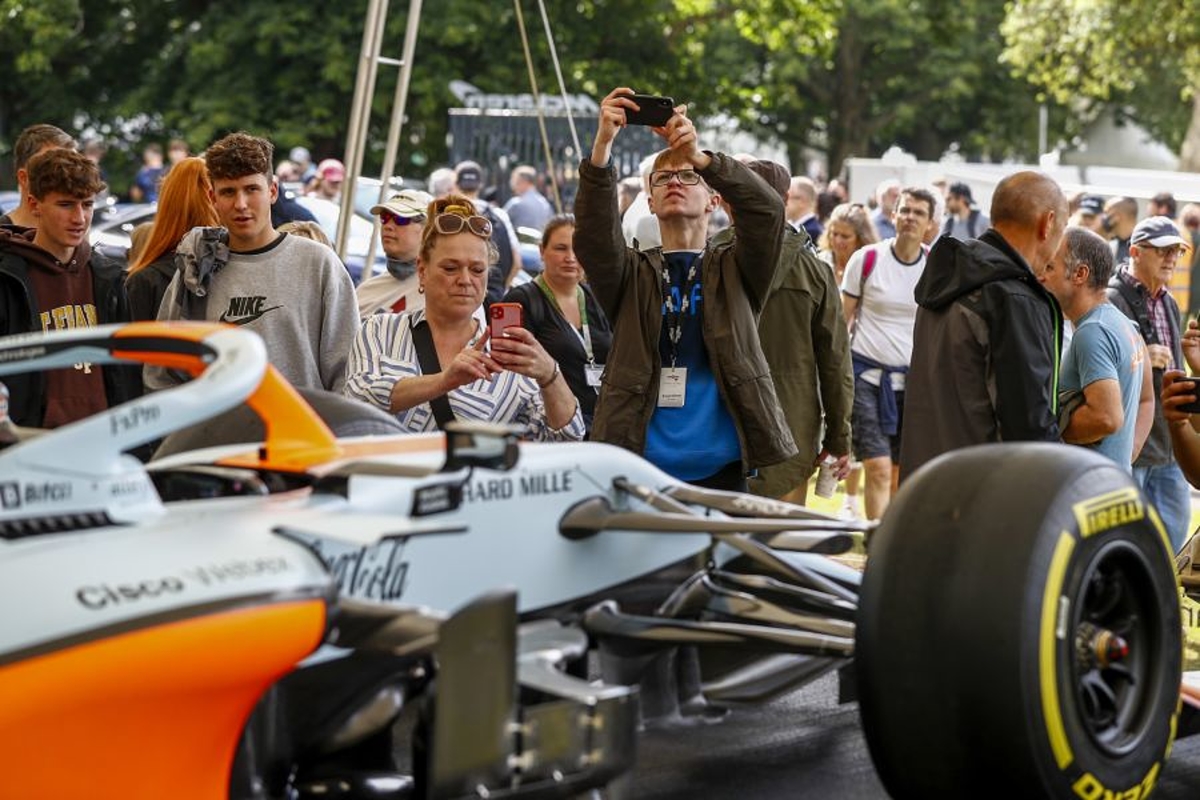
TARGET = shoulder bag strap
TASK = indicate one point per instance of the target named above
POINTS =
(427, 356)
(1137, 304)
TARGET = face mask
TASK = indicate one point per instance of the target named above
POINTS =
(401, 269)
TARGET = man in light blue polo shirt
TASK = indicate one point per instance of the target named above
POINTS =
(1105, 384)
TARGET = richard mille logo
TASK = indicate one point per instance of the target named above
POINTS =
(244, 310)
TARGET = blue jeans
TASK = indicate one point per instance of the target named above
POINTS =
(1167, 489)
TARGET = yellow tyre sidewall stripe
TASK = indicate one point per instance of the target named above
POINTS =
(1047, 651)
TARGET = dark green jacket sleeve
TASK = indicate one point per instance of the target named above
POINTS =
(758, 218)
(831, 344)
(599, 243)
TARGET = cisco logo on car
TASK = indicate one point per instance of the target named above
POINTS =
(105, 595)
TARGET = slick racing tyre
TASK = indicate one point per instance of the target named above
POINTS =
(1019, 630)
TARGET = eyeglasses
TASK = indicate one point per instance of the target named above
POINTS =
(688, 177)
(450, 224)
(1165, 252)
(387, 216)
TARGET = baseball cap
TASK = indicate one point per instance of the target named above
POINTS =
(1092, 204)
(468, 175)
(409, 203)
(1156, 232)
(300, 155)
(960, 189)
(331, 170)
(776, 175)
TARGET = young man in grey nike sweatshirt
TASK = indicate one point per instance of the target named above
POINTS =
(292, 291)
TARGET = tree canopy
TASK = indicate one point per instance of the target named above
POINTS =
(835, 77)
(1140, 56)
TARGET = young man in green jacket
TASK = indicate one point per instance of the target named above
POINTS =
(686, 383)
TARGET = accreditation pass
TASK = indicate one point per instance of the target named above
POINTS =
(672, 387)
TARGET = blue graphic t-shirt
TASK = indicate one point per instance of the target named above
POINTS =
(697, 440)
(1107, 346)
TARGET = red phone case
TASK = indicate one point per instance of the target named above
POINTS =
(504, 315)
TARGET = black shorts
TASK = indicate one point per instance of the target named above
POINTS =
(866, 434)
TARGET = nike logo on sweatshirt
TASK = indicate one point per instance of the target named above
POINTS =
(244, 310)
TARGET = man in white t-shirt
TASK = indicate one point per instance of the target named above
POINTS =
(877, 297)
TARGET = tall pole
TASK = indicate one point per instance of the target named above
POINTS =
(399, 103)
(541, 112)
(562, 86)
(360, 116)
(1043, 129)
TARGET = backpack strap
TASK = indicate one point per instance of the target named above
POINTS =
(973, 223)
(427, 357)
(869, 258)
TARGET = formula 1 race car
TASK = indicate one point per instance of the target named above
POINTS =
(1016, 631)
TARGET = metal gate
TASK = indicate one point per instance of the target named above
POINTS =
(501, 139)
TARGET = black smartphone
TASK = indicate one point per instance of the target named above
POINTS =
(653, 110)
(1194, 406)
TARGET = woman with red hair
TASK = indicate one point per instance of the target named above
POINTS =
(184, 202)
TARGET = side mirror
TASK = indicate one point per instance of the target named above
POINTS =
(480, 444)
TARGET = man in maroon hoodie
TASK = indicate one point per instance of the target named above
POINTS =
(51, 280)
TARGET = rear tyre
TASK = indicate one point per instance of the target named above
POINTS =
(1019, 630)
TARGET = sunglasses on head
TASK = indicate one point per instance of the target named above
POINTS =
(450, 224)
(387, 216)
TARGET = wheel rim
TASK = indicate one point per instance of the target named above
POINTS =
(1114, 634)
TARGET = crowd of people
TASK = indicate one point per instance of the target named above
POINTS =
(734, 324)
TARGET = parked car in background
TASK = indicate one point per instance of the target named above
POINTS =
(113, 224)
(9, 201)
(362, 227)
(112, 227)
(531, 250)
(361, 230)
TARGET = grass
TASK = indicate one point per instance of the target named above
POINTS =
(833, 505)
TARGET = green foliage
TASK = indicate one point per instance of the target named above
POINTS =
(35, 31)
(852, 78)
(845, 77)
(1143, 55)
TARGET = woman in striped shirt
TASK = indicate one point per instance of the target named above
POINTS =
(510, 380)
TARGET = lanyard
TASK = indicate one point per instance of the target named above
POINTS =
(586, 337)
(674, 318)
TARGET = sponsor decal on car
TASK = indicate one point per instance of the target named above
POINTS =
(378, 572)
(108, 594)
(528, 485)
(1108, 511)
(1089, 787)
(128, 421)
(14, 495)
